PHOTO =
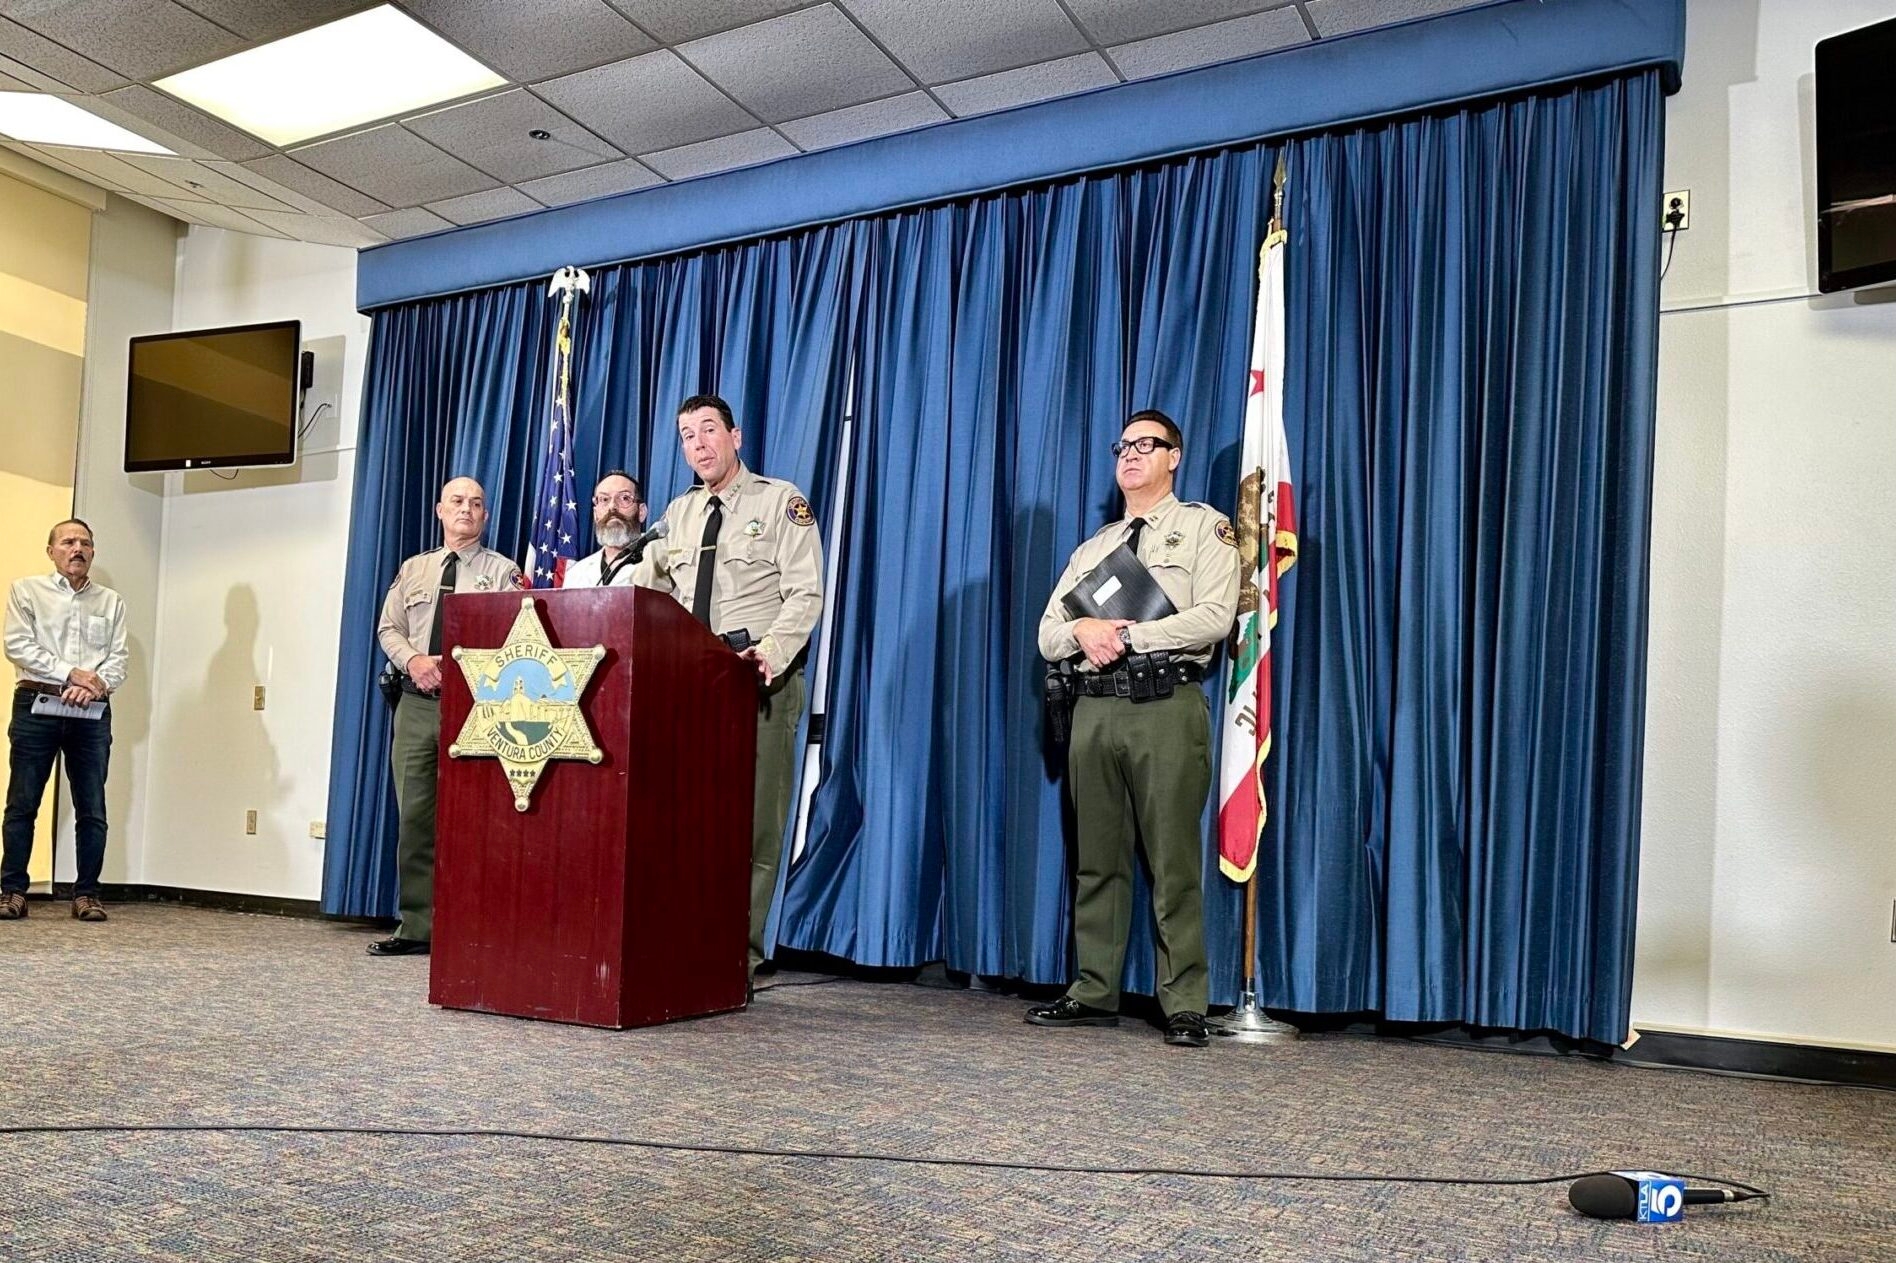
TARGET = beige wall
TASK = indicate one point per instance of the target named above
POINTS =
(44, 250)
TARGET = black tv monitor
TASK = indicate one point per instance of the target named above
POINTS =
(1856, 158)
(213, 398)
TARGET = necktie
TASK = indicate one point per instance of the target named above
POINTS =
(707, 563)
(1137, 524)
(449, 569)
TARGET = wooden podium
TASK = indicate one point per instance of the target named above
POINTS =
(621, 895)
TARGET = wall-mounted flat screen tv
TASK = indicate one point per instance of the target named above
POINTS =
(213, 398)
(1856, 158)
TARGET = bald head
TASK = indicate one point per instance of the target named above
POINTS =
(463, 512)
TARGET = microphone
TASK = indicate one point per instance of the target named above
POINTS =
(1646, 1196)
(637, 550)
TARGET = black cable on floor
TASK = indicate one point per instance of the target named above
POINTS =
(992, 1164)
(815, 982)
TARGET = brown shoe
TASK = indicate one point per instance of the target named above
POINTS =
(13, 907)
(88, 908)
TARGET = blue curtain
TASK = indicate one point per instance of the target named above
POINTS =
(1455, 788)
(459, 385)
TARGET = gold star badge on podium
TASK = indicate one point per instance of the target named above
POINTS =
(526, 703)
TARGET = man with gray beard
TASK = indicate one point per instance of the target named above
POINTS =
(618, 517)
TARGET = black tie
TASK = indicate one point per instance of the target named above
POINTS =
(1132, 540)
(707, 559)
(449, 569)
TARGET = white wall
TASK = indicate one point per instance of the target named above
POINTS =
(1768, 870)
(250, 593)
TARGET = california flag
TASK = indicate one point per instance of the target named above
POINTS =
(1267, 547)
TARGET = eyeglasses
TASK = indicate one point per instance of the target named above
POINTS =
(624, 497)
(1143, 445)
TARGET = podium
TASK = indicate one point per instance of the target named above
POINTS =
(620, 896)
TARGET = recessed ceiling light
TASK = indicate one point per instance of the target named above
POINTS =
(372, 65)
(50, 120)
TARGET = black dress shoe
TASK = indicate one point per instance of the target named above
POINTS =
(1066, 1011)
(1187, 1030)
(399, 947)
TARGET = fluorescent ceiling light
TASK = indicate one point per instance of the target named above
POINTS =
(51, 120)
(372, 65)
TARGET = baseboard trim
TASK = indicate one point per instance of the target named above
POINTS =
(1762, 1058)
(223, 901)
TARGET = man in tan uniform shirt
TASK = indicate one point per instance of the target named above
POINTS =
(410, 632)
(1143, 762)
(765, 578)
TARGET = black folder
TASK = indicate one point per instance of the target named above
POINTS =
(1119, 587)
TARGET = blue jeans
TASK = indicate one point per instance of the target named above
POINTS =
(37, 740)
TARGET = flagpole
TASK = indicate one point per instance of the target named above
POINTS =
(1248, 1023)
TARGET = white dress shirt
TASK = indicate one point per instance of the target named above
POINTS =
(585, 572)
(53, 629)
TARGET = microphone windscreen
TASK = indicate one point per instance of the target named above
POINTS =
(661, 530)
(1605, 1197)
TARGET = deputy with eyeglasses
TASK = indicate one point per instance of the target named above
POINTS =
(618, 517)
(1139, 757)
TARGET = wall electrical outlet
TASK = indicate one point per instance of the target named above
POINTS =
(1676, 210)
(256, 698)
(250, 822)
(318, 829)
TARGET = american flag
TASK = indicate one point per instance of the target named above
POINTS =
(556, 507)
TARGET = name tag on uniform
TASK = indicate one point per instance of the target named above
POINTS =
(51, 704)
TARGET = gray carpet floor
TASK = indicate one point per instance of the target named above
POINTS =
(168, 1015)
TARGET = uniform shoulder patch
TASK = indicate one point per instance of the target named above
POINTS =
(798, 511)
(1225, 533)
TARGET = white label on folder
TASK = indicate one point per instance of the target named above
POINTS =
(1105, 591)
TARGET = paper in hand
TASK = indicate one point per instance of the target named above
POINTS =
(52, 704)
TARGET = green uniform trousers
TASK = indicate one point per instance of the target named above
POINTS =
(778, 711)
(1140, 772)
(413, 754)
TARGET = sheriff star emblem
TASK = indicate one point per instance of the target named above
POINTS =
(526, 703)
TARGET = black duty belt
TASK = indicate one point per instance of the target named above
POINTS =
(1137, 679)
(409, 687)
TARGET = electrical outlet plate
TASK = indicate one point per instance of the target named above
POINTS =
(250, 822)
(318, 829)
(1680, 201)
(256, 698)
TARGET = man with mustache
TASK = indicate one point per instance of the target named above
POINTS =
(410, 632)
(1139, 762)
(65, 635)
(618, 517)
(743, 554)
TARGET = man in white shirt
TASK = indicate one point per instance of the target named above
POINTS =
(65, 636)
(618, 517)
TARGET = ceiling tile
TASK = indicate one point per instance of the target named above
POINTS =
(1335, 17)
(212, 215)
(9, 84)
(108, 109)
(322, 230)
(650, 102)
(477, 208)
(1029, 83)
(394, 165)
(263, 20)
(66, 68)
(202, 180)
(491, 134)
(954, 39)
(676, 21)
(600, 181)
(722, 154)
(1122, 21)
(312, 184)
(174, 118)
(859, 122)
(796, 65)
(1221, 41)
(413, 222)
(141, 39)
(118, 172)
(535, 41)
(48, 158)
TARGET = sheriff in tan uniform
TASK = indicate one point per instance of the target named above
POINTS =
(743, 554)
(1143, 762)
(410, 633)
